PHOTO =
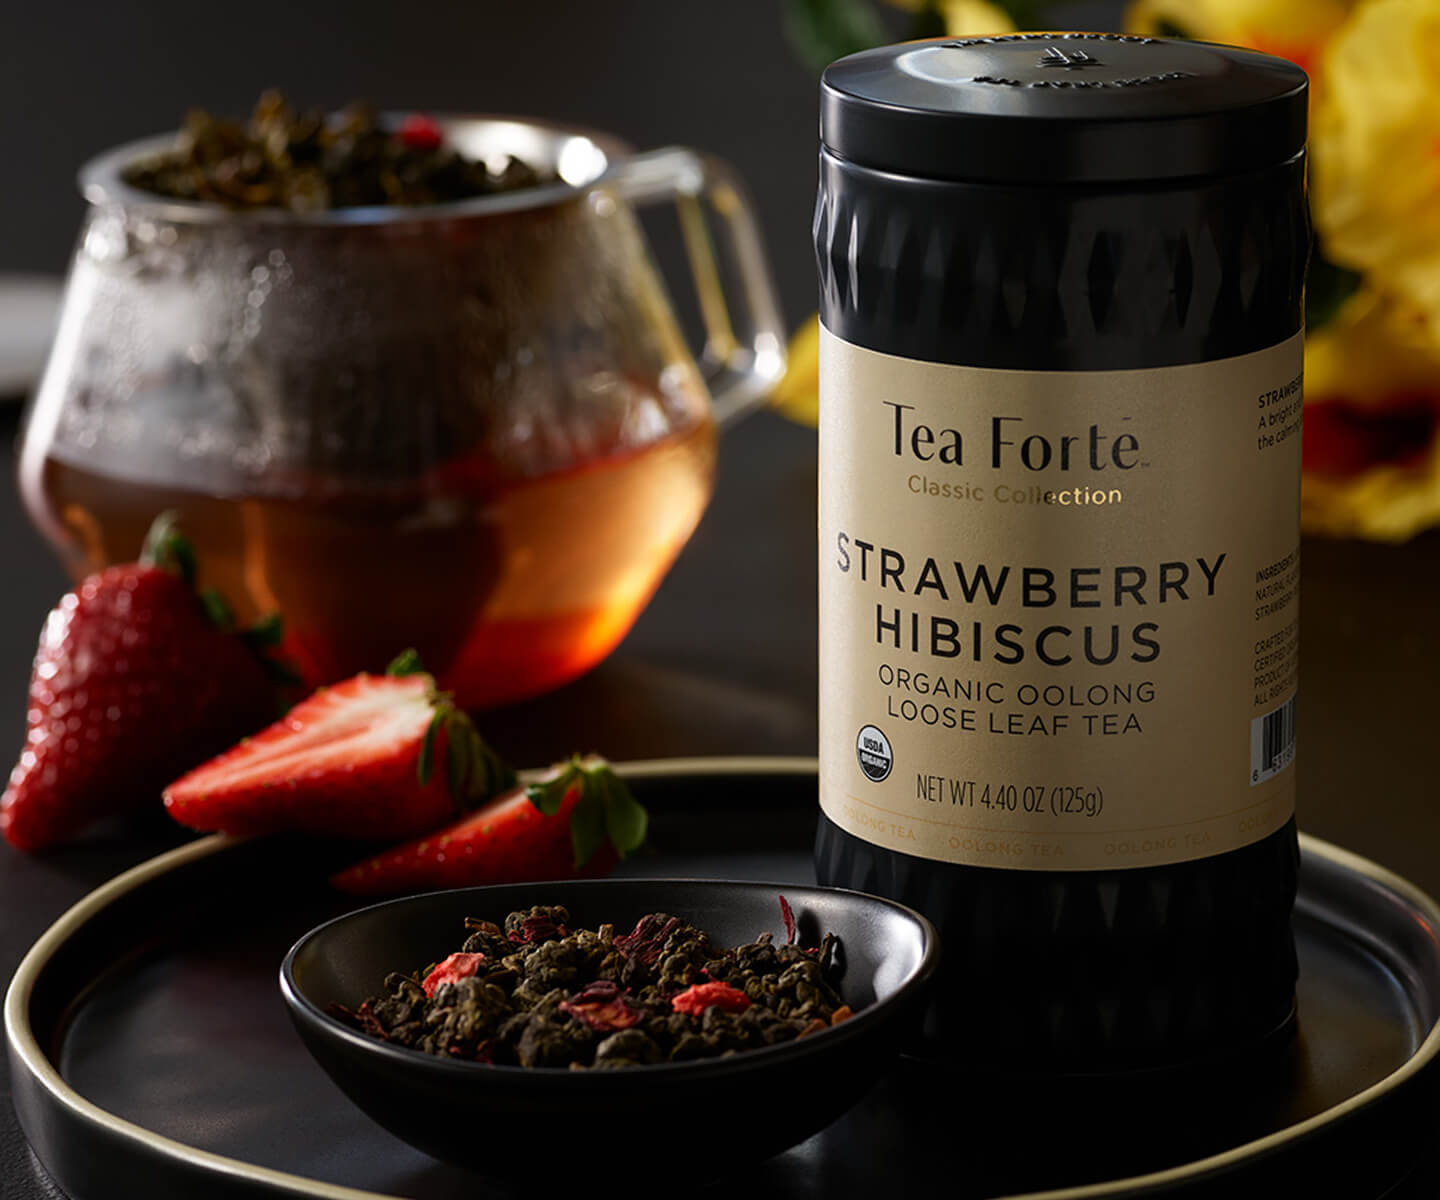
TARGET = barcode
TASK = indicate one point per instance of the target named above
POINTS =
(1272, 742)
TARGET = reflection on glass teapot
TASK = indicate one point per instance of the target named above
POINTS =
(474, 428)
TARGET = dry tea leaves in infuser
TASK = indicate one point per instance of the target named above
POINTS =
(312, 161)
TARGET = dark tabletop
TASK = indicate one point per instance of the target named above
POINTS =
(723, 662)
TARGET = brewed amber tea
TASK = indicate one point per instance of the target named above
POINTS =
(507, 584)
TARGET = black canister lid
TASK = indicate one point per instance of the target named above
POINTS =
(1063, 108)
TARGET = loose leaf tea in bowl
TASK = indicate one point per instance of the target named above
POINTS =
(312, 161)
(591, 990)
(537, 993)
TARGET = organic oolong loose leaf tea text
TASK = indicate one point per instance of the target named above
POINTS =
(534, 992)
(1061, 281)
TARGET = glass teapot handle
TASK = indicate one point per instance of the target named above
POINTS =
(744, 353)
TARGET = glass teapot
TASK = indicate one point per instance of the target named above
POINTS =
(474, 428)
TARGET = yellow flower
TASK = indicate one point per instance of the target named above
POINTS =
(964, 17)
(797, 395)
(1383, 504)
(1375, 347)
(967, 18)
(1293, 29)
(1372, 423)
(1376, 139)
(1372, 375)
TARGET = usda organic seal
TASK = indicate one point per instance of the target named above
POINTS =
(872, 748)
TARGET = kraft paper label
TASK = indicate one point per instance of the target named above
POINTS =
(1059, 610)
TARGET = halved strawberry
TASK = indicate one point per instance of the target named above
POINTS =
(577, 821)
(354, 760)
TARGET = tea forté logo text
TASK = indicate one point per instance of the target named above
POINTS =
(1010, 442)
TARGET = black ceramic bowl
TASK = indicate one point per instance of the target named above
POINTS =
(746, 1106)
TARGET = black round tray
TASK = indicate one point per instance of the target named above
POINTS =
(151, 1054)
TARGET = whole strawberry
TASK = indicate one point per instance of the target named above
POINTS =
(136, 678)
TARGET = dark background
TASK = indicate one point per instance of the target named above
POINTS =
(79, 76)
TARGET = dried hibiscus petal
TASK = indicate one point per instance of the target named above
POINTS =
(455, 968)
(645, 942)
(535, 927)
(788, 914)
(362, 1018)
(700, 996)
(602, 1005)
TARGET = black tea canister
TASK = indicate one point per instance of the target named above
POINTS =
(1061, 283)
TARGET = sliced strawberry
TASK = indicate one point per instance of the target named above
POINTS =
(578, 821)
(354, 760)
(507, 841)
(603, 1005)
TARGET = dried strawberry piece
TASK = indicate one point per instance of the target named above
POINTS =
(420, 132)
(455, 968)
(700, 996)
(602, 1005)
